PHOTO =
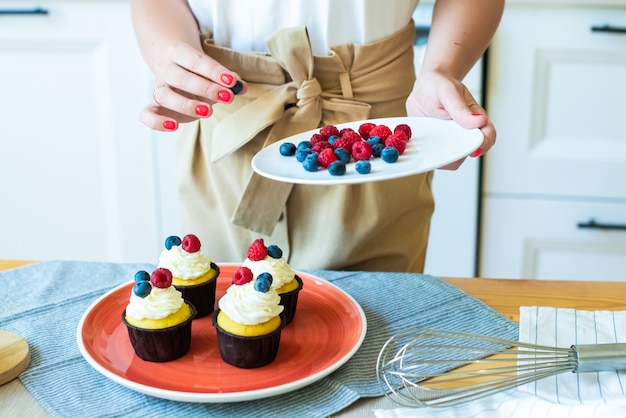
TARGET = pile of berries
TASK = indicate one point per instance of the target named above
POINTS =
(331, 148)
(190, 243)
(161, 278)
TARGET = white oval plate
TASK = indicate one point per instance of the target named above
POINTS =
(435, 143)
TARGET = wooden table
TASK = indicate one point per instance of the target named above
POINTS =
(504, 295)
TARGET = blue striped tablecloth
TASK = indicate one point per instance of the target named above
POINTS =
(44, 303)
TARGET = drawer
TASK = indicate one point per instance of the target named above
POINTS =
(553, 239)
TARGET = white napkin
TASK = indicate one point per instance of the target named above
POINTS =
(581, 395)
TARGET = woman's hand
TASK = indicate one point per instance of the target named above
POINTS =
(188, 83)
(436, 95)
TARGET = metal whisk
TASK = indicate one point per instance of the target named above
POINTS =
(438, 368)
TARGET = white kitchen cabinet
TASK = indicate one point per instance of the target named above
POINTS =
(76, 167)
(557, 96)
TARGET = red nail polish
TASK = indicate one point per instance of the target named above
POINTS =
(202, 110)
(477, 153)
(477, 114)
(224, 96)
(227, 79)
(170, 125)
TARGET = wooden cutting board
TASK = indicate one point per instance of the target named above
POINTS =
(14, 356)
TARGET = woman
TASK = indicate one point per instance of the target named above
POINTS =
(233, 76)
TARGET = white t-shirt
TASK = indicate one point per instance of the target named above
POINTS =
(244, 24)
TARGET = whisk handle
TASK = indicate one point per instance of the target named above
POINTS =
(599, 357)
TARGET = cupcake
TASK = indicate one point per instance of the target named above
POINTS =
(249, 321)
(194, 274)
(262, 259)
(157, 318)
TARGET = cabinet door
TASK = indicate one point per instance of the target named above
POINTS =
(553, 239)
(75, 163)
(557, 95)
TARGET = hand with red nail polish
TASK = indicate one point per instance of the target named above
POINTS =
(438, 95)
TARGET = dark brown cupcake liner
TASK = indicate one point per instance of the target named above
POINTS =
(248, 352)
(290, 301)
(201, 296)
(161, 345)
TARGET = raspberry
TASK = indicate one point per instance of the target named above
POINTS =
(326, 157)
(361, 151)
(404, 128)
(191, 243)
(315, 138)
(242, 276)
(257, 250)
(329, 130)
(337, 168)
(351, 135)
(319, 146)
(396, 141)
(382, 131)
(399, 134)
(345, 131)
(161, 278)
(343, 143)
(365, 128)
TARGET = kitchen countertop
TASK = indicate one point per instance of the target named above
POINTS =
(504, 295)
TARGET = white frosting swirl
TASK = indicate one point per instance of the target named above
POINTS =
(184, 265)
(281, 271)
(247, 306)
(159, 304)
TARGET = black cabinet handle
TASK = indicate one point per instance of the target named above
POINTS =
(34, 11)
(592, 224)
(608, 29)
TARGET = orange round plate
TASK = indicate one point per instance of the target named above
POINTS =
(328, 329)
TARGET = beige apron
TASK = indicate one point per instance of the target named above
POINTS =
(379, 226)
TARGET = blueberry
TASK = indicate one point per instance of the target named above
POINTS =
(377, 149)
(337, 168)
(274, 251)
(389, 155)
(363, 167)
(310, 162)
(142, 289)
(263, 282)
(287, 149)
(142, 276)
(343, 155)
(237, 87)
(302, 153)
(332, 139)
(172, 241)
(304, 144)
(372, 140)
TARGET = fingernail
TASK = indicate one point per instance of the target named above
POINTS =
(477, 114)
(170, 125)
(237, 87)
(227, 79)
(477, 153)
(224, 96)
(202, 110)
